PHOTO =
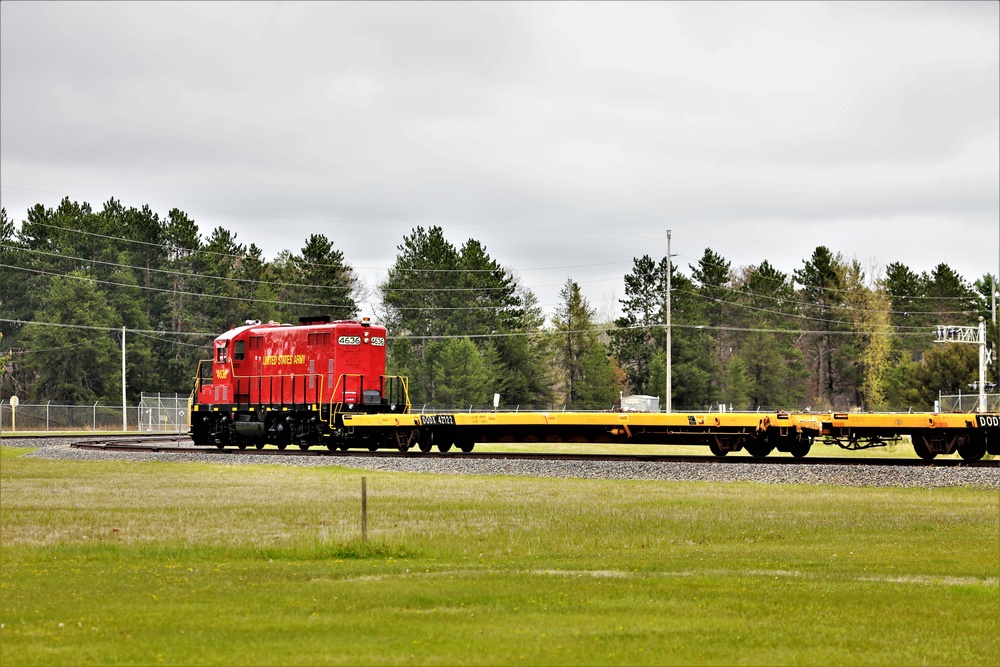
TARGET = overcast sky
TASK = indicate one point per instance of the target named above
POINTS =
(566, 137)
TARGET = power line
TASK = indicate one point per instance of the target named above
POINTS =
(784, 314)
(67, 325)
(366, 223)
(173, 248)
(184, 274)
(538, 332)
(237, 298)
(347, 267)
(210, 276)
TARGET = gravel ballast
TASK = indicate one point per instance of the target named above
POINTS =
(843, 475)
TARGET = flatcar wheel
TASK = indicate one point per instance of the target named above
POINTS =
(444, 446)
(466, 446)
(220, 445)
(973, 451)
(303, 446)
(715, 449)
(759, 450)
(800, 449)
(281, 445)
(425, 445)
(922, 450)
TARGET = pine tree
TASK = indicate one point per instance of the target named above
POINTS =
(462, 378)
(821, 282)
(72, 363)
(640, 332)
(588, 374)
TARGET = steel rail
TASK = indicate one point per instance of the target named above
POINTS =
(136, 446)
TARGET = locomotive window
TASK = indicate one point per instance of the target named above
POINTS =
(239, 350)
(220, 354)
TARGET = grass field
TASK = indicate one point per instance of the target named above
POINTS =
(162, 563)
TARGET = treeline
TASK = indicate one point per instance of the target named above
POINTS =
(832, 335)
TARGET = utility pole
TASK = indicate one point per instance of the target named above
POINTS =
(993, 297)
(668, 399)
(124, 411)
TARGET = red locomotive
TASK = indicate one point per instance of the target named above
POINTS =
(283, 384)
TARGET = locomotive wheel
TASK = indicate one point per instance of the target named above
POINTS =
(303, 446)
(922, 450)
(282, 445)
(220, 445)
(713, 447)
(260, 445)
(241, 445)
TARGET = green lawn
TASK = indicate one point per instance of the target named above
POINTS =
(125, 563)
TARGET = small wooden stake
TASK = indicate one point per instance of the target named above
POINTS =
(364, 509)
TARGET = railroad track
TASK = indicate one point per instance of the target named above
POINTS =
(171, 446)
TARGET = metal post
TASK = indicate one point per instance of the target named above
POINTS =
(124, 409)
(982, 365)
(668, 399)
(364, 509)
(47, 416)
(95, 415)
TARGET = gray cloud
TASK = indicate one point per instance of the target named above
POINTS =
(567, 137)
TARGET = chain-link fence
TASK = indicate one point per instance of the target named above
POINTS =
(967, 403)
(163, 413)
(156, 413)
(44, 417)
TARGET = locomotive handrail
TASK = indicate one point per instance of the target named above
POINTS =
(341, 387)
(198, 377)
(317, 390)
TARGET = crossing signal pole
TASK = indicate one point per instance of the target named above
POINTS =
(975, 336)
